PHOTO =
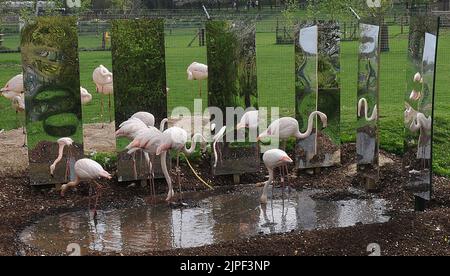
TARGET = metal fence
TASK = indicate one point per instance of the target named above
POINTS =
(275, 56)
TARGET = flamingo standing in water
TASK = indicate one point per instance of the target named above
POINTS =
(363, 104)
(273, 158)
(175, 138)
(198, 71)
(87, 170)
(86, 97)
(62, 143)
(103, 80)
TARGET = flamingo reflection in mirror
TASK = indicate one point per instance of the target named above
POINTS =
(274, 158)
(363, 104)
(18, 104)
(199, 72)
(14, 91)
(103, 80)
(14, 87)
(419, 122)
(175, 138)
(87, 170)
(415, 94)
(86, 97)
(62, 143)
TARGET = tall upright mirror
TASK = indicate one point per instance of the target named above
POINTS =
(419, 107)
(138, 54)
(232, 83)
(317, 65)
(49, 48)
(367, 137)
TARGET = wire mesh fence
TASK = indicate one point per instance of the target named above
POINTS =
(275, 64)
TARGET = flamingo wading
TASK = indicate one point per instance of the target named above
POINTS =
(273, 159)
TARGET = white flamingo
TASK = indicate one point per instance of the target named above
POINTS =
(287, 127)
(18, 103)
(130, 129)
(145, 141)
(87, 170)
(416, 95)
(198, 71)
(249, 120)
(14, 87)
(86, 97)
(62, 143)
(149, 119)
(419, 122)
(363, 104)
(175, 138)
(103, 80)
(273, 159)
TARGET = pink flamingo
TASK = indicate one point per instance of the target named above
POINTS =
(273, 159)
(103, 80)
(62, 143)
(198, 71)
(87, 170)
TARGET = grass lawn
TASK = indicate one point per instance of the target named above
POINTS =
(276, 83)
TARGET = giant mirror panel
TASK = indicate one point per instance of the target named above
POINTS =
(419, 100)
(232, 82)
(317, 61)
(138, 53)
(367, 143)
(49, 48)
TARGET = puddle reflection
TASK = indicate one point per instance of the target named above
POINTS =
(215, 219)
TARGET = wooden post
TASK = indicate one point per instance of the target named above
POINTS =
(236, 179)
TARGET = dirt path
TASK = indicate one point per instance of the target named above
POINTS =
(99, 137)
(13, 155)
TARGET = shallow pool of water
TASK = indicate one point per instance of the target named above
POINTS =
(214, 219)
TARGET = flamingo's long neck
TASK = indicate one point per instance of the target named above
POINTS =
(166, 173)
(363, 104)
(309, 130)
(197, 138)
(163, 124)
(60, 154)
(420, 122)
(71, 184)
(266, 186)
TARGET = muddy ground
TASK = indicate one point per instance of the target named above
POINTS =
(407, 233)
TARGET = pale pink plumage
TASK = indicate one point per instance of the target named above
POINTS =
(86, 97)
(273, 159)
(197, 71)
(86, 170)
(103, 79)
(14, 87)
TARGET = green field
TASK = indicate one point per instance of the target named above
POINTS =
(275, 65)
